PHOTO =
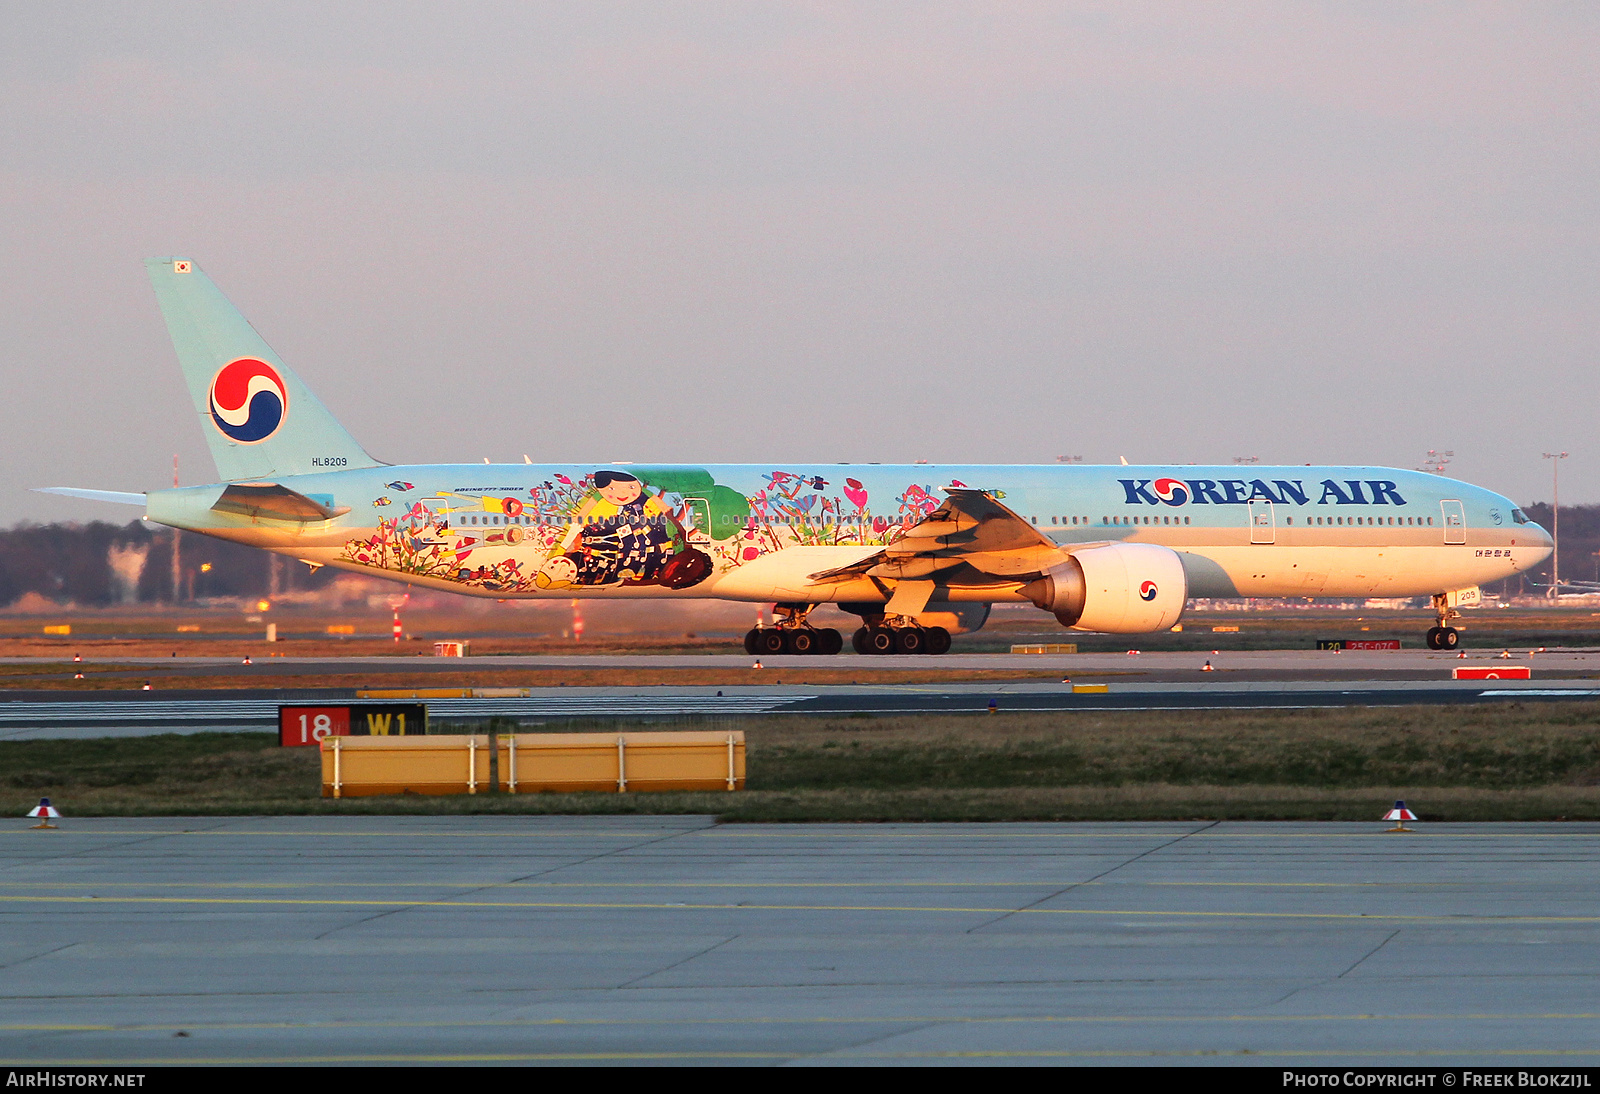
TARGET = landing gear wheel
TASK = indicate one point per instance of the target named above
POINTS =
(858, 641)
(1449, 638)
(1433, 638)
(829, 641)
(752, 640)
(770, 641)
(936, 640)
(802, 641)
(910, 640)
(880, 640)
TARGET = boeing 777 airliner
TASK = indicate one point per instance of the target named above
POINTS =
(917, 551)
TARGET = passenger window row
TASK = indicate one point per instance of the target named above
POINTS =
(1417, 522)
(1368, 521)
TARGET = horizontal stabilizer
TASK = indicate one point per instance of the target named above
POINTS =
(116, 497)
(271, 501)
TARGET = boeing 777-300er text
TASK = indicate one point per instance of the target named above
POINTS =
(918, 551)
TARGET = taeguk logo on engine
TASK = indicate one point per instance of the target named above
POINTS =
(1148, 591)
(249, 400)
(1171, 491)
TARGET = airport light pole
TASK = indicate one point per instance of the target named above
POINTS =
(1555, 521)
(1435, 461)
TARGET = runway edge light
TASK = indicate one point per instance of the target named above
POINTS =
(1400, 814)
(45, 812)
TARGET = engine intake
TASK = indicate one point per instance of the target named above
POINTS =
(1126, 588)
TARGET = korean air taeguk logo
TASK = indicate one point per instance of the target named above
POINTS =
(1171, 491)
(1148, 590)
(248, 400)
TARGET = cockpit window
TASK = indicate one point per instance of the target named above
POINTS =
(1519, 516)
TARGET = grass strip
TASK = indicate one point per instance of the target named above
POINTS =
(1538, 761)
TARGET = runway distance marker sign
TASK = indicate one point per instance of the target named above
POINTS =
(307, 726)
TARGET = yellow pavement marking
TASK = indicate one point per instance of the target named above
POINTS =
(1048, 883)
(308, 833)
(850, 831)
(1024, 1054)
(914, 1019)
(640, 906)
(1051, 884)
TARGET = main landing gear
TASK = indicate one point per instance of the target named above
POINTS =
(1443, 637)
(882, 634)
(802, 639)
(881, 638)
(793, 634)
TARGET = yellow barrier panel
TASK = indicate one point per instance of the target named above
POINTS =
(414, 693)
(532, 763)
(1090, 689)
(1049, 647)
(58, 628)
(355, 767)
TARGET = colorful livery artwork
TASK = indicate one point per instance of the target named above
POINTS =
(614, 528)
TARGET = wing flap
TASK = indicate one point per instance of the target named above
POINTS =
(971, 528)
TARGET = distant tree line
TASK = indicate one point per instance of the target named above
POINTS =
(101, 564)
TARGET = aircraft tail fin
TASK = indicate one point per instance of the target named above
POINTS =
(259, 419)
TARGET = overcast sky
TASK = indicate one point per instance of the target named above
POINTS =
(1332, 233)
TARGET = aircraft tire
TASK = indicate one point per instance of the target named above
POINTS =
(772, 641)
(911, 640)
(829, 641)
(937, 640)
(1433, 638)
(1449, 638)
(858, 641)
(752, 640)
(802, 641)
(880, 640)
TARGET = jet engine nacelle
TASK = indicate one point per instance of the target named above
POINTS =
(1126, 588)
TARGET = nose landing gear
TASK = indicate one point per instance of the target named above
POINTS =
(1442, 636)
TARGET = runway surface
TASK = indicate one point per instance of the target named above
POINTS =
(56, 716)
(617, 940)
(1288, 679)
(1250, 666)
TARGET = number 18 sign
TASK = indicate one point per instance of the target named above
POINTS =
(309, 725)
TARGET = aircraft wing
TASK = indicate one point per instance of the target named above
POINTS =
(971, 537)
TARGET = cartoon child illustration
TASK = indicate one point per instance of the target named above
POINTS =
(626, 535)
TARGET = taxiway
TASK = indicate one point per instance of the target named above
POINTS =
(672, 940)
